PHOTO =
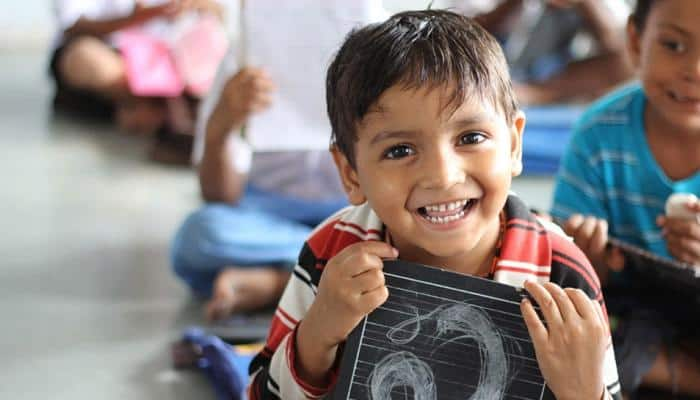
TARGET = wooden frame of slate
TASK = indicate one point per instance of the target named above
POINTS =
(441, 335)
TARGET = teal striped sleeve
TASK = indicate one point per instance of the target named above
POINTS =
(580, 186)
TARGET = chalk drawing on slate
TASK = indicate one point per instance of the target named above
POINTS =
(441, 335)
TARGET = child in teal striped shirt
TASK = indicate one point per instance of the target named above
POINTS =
(630, 152)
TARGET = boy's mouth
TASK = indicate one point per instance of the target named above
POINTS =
(683, 99)
(444, 213)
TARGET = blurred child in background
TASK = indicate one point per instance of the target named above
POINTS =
(89, 69)
(630, 152)
(559, 50)
(238, 250)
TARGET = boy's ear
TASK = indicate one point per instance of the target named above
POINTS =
(516, 143)
(634, 43)
(348, 176)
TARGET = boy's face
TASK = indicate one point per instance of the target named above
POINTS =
(437, 179)
(667, 55)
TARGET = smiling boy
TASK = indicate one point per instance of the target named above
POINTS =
(427, 138)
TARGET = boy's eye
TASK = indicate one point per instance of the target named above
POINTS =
(674, 46)
(398, 151)
(471, 138)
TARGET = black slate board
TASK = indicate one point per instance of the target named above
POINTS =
(441, 335)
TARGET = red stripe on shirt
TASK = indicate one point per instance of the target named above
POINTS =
(359, 228)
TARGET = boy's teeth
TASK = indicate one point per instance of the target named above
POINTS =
(446, 219)
(455, 205)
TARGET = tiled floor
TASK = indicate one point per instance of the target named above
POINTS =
(88, 305)
(87, 302)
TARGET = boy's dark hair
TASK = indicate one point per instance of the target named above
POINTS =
(413, 48)
(641, 13)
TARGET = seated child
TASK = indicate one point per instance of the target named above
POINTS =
(543, 46)
(238, 250)
(630, 152)
(89, 71)
(427, 137)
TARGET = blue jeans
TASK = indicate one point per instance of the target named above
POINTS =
(263, 229)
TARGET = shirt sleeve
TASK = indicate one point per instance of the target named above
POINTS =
(272, 372)
(68, 12)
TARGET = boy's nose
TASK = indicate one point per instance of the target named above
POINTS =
(692, 72)
(442, 170)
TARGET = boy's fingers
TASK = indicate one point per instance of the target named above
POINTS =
(600, 235)
(598, 308)
(615, 259)
(582, 303)
(585, 234)
(264, 87)
(682, 227)
(547, 304)
(360, 257)
(693, 206)
(376, 297)
(686, 253)
(380, 249)
(368, 281)
(690, 245)
(535, 327)
(566, 308)
(261, 102)
(572, 224)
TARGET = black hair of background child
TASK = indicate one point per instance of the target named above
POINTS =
(641, 13)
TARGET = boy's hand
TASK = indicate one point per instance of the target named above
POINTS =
(352, 285)
(591, 236)
(570, 349)
(683, 235)
(246, 93)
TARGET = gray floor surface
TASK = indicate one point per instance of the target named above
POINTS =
(88, 306)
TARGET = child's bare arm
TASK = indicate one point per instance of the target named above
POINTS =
(570, 348)
(352, 285)
(139, 15)
(246, 93)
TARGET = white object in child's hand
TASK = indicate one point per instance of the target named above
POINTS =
(677, 206)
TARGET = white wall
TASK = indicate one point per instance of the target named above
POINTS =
(26, 24)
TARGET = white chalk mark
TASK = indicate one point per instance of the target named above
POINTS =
(476, 325)
(396, 332)
(405, 369)
(402, 369)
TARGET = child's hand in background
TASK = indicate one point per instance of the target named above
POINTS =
(682, 232)
(246, 93)
(591, 236)
(352, 285)
(571, 347)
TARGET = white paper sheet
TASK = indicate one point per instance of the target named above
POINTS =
(294, 41)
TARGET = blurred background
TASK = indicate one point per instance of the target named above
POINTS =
(88, 302)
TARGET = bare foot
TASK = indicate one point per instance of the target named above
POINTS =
(238, 290)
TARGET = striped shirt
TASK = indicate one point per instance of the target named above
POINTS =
(530, 249)
(608, 171)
